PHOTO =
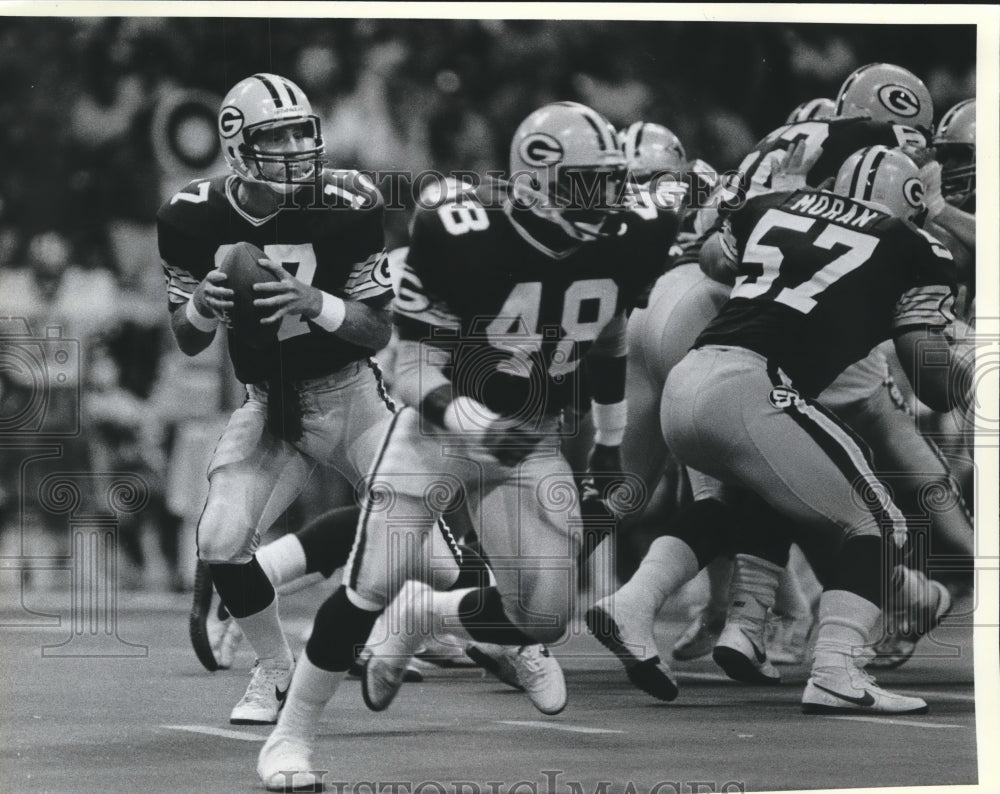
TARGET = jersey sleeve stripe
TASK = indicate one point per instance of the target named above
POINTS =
(180, 284)
(366, 291)
(431, 315)
(178, 273)
(933, 306)
(178, 296)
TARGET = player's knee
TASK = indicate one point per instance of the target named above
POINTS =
(222, 542)
(224, 554)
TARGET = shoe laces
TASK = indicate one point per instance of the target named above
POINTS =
(531, 659)
(263, 682)
(861, 678)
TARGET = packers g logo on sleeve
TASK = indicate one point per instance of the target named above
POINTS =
(540, 149)
(783, 397)
(230, 121)
(899, 99)
(913, 192)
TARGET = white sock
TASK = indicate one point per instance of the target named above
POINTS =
(669, 564)
(283, 561)
(845, 624)
(263, 631)
(751, 590)
(311, 689)
(445, 614)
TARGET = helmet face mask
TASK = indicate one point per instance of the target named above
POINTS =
(283, 152)
(566, 167)
(885, 92)
(884, 178)
(269, 133)
(955, 149)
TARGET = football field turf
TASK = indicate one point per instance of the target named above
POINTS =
(158, 722)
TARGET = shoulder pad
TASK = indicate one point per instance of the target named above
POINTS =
(195, 192)
(350, 188)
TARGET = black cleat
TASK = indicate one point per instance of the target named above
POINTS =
(651, 675)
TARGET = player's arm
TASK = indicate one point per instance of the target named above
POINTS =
(195, 321)
(196, 307)
(353, 321)
(938, 367)
(359, 313)
(606, 363)
(958, 223)
(718, 257)
(606, 367)
(420, 379)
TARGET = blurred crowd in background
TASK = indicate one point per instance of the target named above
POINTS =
(102, 119)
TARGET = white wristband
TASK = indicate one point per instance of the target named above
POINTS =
(610, 422)
(331, 315)
(199, 320)
(465, 414)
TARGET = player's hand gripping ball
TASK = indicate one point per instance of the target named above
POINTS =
(243, 271)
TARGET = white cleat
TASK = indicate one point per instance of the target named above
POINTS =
(265, 697)
(385, 670)
(741, 655)
(853, 691)
(285, 764)
(540, 676)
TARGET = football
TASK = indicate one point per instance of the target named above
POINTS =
(242, 272)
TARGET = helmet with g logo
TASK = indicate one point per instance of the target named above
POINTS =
(566, 165)
(266, 103)
(885, 92)
(955, 149)
(651, 149)
(884, 177)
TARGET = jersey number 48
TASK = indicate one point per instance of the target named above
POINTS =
(587, 306)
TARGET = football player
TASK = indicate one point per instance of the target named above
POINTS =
(741, 406)
(878, 97)
(955, 150)
(509, 292)
(312, 394)
(681, 304)
(955, 154)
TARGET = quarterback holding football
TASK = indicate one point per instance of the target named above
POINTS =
(290, 257)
